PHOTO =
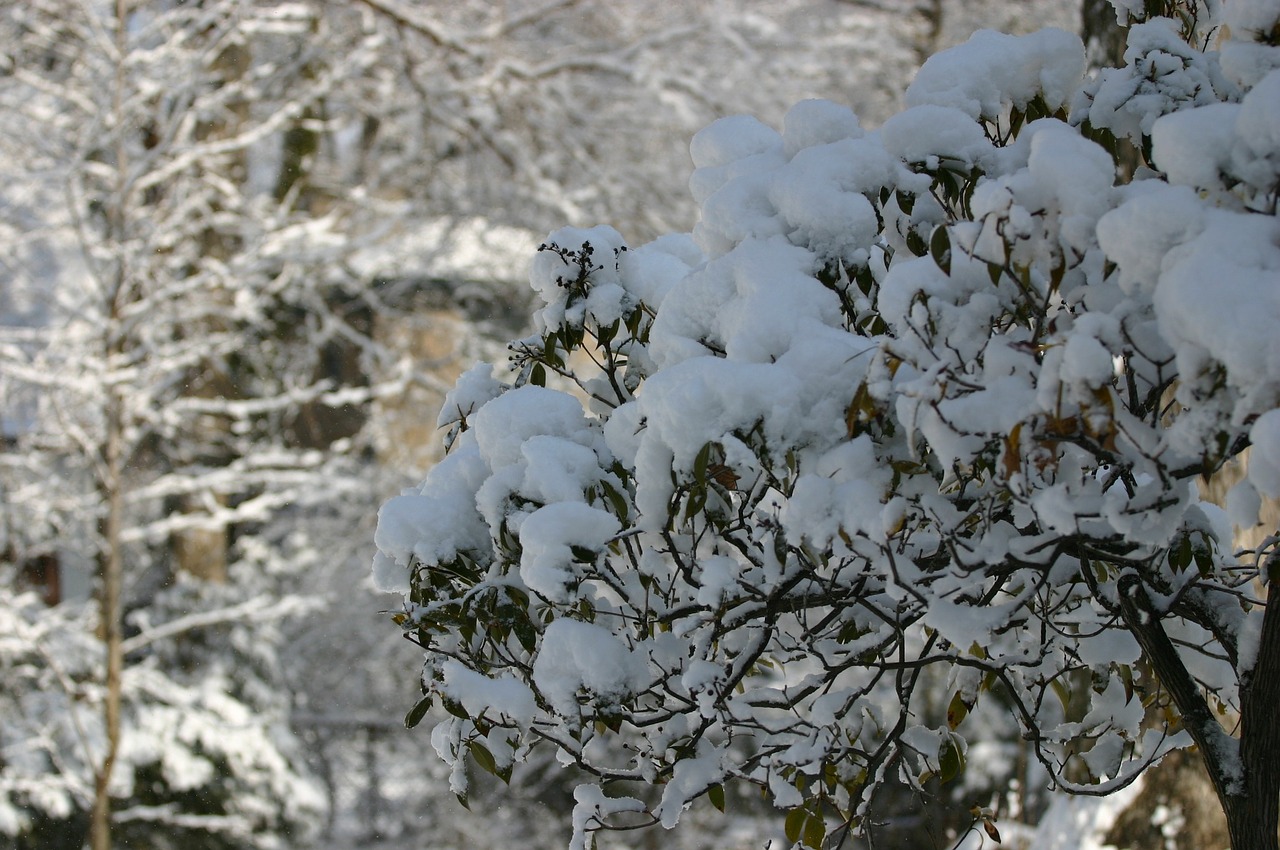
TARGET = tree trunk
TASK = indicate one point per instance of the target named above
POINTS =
(111, 471)
(1253, 818)
(112, 634)
(1245, 771)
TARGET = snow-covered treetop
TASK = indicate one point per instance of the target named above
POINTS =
(928, 398)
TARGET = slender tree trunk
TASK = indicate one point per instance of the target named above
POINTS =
(112, 633)
(111, 485)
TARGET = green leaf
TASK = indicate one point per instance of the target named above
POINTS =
(906, 202)
(940, 248)
(1202, 554)
(480, 753)
(815, 830)
(916, 244)
(606, 334)
(793, 826)
(455, 708)
(538, 375)
(716, 795)
(415, 715)
(616, 501)
(700, 464)
(696, 502)
(950, 759)
(1180, 555)
(523, 629)
(1015, 122)
(957, 710)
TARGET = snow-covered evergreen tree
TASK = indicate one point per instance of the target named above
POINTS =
(925, 403)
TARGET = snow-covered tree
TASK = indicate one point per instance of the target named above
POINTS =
(924, 404)
(183, 361)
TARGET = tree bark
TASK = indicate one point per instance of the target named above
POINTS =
(112, 634)
(111, 471)
(1254, 822)
(1246, 771)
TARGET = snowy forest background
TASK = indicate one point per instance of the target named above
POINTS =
(247, 247)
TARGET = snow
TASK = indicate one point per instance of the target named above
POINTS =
(1078, 823)
(1227, 320)
(1194, 147)
(447, 248)
(547, 537)
(550, 276)
(1162, 74)
(432, 525)
(1251, 18)
(578, 658)
(506, 698)
(1139, 234)
(916, 134)
(592, 809)
(504, 425)
(992, 71)
(1246, 56)
(812, 123)
(1264, 462)
(474, 388)
(1258, 133)
(691, 778)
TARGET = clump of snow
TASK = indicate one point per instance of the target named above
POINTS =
(1138, 234)
(691, 778)
(1228, 321)
(1264, 463)
(931, 131)
(993, 71)
(652, 270)
(433, 524)
(592, 809)
(1251, 53)
(584, 661)
(474, 388)
(1162, 74)
(811, 123)
(1194, 147)
(504, 698)
(504, 425)
(1256, 155)
(547, 538)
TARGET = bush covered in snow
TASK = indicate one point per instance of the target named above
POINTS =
(925, 403)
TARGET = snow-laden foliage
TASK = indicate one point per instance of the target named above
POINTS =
(930, 400)
(205, 750)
